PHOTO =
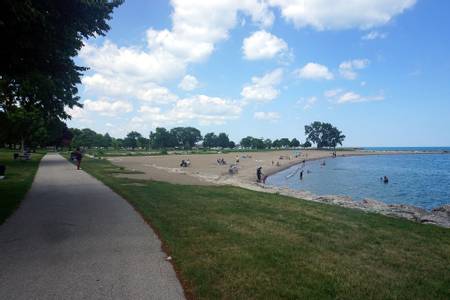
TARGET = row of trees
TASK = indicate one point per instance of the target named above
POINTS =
(22, 127)
(30, 128)
(321, 134)
(260, 143)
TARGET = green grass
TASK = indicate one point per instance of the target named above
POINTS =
(19, 176)
(232, 243)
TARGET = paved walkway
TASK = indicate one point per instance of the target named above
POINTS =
(74, 238)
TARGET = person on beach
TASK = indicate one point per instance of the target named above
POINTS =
(78, 157)
(259, 174)
(237, 159)
(301, 175)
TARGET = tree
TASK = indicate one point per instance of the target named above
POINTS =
(247, 142)
(161, 139)
(107, 141)
(22, 126)
(258, 143)
(307, 144)
(231, 145)
(210, 140)
(131, 140)
(294, 143)
(186, 137)
(276, 144)
(284, 142)
(39, 41)
(267, 143)
(323, 135)
(143, 143)
(223, 140)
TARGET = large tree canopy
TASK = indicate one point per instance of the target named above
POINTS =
(323, 135)
(39, 40)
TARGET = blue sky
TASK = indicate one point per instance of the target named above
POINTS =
(378, 70)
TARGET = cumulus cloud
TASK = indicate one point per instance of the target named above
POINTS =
(188, 83)
(263, 45)
(202, 109)
(198, 25)
(348, 68)
(341, 14)
(341, 96)
(266, 116)
(263, 89)
(373, 35)
(107, 108)
(132, 63)
(124, 87)
(314, 71)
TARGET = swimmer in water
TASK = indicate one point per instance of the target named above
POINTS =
(385, 179)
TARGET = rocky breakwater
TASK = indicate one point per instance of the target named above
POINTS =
(439, 216)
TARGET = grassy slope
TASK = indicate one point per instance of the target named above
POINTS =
(237, 244)
(18, 180)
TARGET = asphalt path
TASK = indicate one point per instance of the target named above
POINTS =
(74, 238)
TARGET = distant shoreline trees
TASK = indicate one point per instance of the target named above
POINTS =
(56, 133)
(178, 138)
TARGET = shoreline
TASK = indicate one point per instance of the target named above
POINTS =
(205, 171)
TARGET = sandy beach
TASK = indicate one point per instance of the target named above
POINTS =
(204, 169)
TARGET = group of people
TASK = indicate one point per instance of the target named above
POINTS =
(221, 161)
(185, 163)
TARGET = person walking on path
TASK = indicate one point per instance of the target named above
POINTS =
(78, 157)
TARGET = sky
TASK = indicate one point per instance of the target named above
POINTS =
(377, 70)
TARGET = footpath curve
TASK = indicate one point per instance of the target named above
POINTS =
(74, 238)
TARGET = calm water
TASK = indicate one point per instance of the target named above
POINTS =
(421, 180)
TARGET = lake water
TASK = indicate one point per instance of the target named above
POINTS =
(421, 180)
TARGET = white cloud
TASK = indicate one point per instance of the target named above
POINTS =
(307, 103)
(124, 87)
(348, 68)
(314, 71)
(332, 93)
(108, 108)
(263, 88)
(351, 97)
(266, 116)
(310, 102)
(341, 96)
(341, 14)
(373, 35)
(132, 63)
(263, 45)
(149, 110)
(138, 72)
(202, 109)
(188, 83)
(198, 25)
(75, 112)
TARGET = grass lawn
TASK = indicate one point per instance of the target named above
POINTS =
(19, 176)
(232, 243)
